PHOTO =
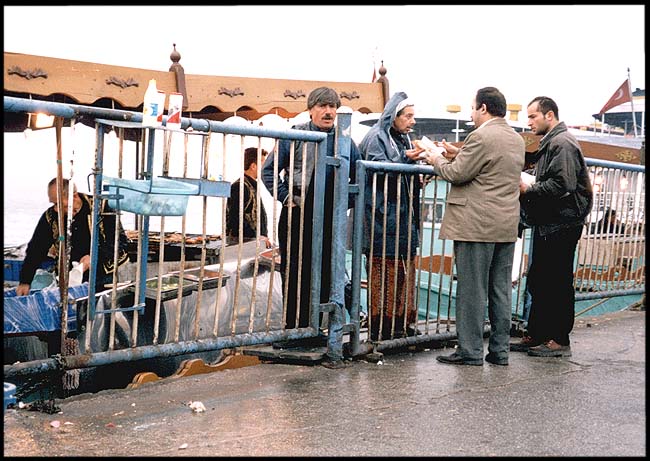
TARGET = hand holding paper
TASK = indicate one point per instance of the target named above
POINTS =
(429, 147)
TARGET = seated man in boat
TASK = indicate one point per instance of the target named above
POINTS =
(45, 240)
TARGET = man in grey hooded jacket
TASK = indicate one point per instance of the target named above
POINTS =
(392, 222)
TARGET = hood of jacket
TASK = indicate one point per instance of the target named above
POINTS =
(380, 131)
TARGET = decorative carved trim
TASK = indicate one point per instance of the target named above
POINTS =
(236, 92)
(294, 94)
(528, 141)
(28, 74)
(350, 96)
(121, 82)
(625, 156)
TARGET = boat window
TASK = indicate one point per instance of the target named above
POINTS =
(432, 214)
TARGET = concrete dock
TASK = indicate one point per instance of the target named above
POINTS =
(590, 404)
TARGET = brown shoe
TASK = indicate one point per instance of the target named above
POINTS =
(550, 349)
(526, 343)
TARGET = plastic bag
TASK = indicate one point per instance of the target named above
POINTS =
(76, 275)
(43, 279)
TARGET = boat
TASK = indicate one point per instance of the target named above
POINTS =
(620, 119)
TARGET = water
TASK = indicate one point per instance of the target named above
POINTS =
(21, 214)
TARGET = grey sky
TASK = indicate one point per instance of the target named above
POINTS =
(439, 55)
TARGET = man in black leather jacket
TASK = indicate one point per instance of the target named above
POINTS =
(556, 205)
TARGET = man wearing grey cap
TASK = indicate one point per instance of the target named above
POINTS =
(322, 104)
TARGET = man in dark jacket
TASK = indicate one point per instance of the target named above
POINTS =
(45, 240)
(556, 205)
(248, 204)
(296, 219)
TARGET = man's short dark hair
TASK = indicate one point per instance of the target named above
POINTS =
(250, 156)
(545, 104)
(323, 95)
(495, 102)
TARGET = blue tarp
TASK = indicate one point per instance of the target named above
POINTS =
(40, 311)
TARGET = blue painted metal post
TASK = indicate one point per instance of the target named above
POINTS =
(148, 174)
(339, 234)
(317, 233)
(357, 231)
(94, 240)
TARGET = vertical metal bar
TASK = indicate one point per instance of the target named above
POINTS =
(116, 234)
(251, 317)
(161, 265)
(410, 284)
(94, 245)
(147, 172)
(63, 262)
(384, 271)
(336, 317)
(290, 204)
(320, 172)
(240, 234)
(371, 252)
(397, 258)
(357, 235)
(432, 185)
(269, 301)
(217, 306)
(301, 229)
(422, 206)
(204, 175)
(179, 295)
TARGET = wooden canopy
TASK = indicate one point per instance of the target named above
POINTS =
(204, 96)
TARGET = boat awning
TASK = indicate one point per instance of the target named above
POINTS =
(205, 96)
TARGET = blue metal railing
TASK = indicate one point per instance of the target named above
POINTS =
(189, 125)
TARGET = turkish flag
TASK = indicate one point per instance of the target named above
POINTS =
(619, 97)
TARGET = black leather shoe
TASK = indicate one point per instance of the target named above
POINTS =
(496, 360)
(456, 359)
(526, 343)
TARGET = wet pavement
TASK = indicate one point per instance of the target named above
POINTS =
(591, 404)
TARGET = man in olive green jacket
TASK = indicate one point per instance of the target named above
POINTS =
(481, 216)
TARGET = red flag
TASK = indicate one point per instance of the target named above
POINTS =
(619, 97)
(374, 74)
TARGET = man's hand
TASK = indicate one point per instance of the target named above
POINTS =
(23, 289)
(85, 260)
(451, 151)
(432, 157)
(414, 154)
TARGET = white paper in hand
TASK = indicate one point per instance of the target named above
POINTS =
(431, 148)
(527, 178)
